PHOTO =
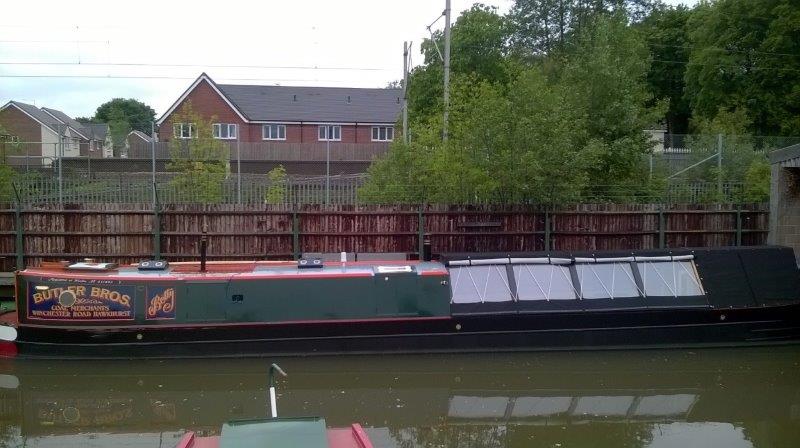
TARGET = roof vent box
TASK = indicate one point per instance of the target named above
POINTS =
(309, 263)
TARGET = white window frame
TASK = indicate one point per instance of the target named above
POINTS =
(267, 135)
(337, 132)
(216, 131)
(177, 130)
(388, 133)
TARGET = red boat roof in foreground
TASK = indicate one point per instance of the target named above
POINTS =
(352, 437)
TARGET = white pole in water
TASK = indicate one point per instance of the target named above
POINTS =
(273, 402)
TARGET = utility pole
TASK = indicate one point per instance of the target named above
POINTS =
(446, 69)
(405, 92)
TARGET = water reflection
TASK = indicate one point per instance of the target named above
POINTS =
(730, 398)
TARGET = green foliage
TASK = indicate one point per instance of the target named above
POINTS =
(276, 191)
(757, 181)
(478, 48)
(667, 39)
(7, 175)
(542, 27)
(137, 114)
(746, 55)
(544, 136)
(200, 163)
(118, 127)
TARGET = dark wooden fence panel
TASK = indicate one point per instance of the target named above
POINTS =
(126, 233)
(233, 232)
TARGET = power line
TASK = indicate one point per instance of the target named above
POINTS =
(62, 41)
(147, 64)
(180, 78)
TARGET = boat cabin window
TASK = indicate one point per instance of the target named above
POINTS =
(477, 407)
(540, 406)
(600, 280)
(543, 282)
(478, 284)
(670, 278)
(665, 405)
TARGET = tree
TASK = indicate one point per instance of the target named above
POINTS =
(7, 173)
(137, 114)
(667, 39)
(276, 191)
(538, 138)
(604, 83)
(541, 27)
(200, 163)
(478, 43)
(746, 55)
(119, 127)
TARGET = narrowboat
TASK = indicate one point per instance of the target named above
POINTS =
(461, 302)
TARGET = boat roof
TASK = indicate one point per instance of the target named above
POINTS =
(254, 270)
(284, 432)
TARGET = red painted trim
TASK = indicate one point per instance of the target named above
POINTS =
(186, 441)
(212, 277)
(434, 273)
(197, 277)
(361, 436)
(234, 324)
(8, 349)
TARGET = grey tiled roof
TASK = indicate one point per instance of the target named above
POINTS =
(97, 131)
(324, 104)
(67, 120)
(141, 135)
(38, 114)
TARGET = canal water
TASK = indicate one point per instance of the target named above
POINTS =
(666, 399)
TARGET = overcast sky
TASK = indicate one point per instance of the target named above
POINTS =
(355, 43)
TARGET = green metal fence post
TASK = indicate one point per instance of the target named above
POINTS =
(662, 228)
(738, 225)
(547, 230)
(295, 236)
(156, 225)
(421, 231)
(19, 230)
(20, 239)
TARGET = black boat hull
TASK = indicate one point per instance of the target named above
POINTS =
(602, 329)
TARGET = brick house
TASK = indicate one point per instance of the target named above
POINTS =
(286, 114)
(40, 130)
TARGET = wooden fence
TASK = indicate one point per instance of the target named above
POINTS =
(126, 233)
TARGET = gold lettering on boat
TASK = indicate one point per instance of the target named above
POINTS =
(161, 305)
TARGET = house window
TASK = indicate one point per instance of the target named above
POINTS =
(274, 132)
(225, 131)
(184, 130)
(382, 133)
(330, 132)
